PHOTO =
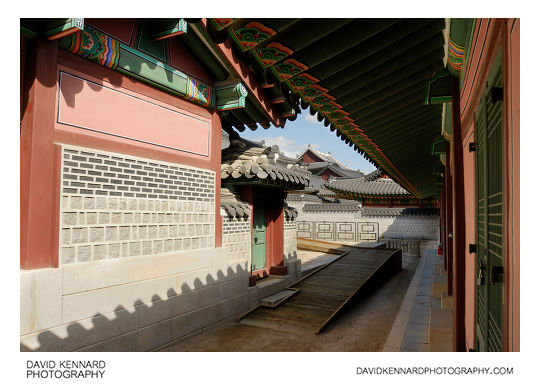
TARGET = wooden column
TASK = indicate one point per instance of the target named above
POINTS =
(458, 279)
(39, 159)
(442, 208)
(449, 219)
(216, 166)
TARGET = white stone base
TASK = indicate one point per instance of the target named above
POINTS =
(132, 304)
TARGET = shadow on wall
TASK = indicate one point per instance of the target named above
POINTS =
(151, 322)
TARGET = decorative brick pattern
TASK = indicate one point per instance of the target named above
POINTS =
(289, 239)
(406, 227)
(119, 206)
(237, 238)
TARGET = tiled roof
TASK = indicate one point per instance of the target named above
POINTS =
(396, 211)
(345, 172)
(315, 167)
(361, 186)
(302, 198)
(323, 192)
(332, 207)
(246, 161)
(321, 155)
(290, 212)
(332, 164)
(373, 175)
(224, 140)
(232, 205)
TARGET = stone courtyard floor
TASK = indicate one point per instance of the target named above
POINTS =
(364, 327)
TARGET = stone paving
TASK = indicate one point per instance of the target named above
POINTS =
(416, 335)
(364, 327)
(410, 332)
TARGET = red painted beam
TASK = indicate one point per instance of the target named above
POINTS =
(248, 78)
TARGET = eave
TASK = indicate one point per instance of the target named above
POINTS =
(364, 79)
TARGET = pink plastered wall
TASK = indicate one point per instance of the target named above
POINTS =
(94, 105)
(469, 175)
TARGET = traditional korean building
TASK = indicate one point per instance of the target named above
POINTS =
(122, 237)
(325, 165)
(480, 183)
(260, 177)
(367, 209)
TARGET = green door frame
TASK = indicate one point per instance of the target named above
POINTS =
(258, 261)
(489, 187)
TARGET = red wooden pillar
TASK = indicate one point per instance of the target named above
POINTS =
(449, 221)
(276, 226)
(216, 166)
(39, 179)
(458, 280)
(442, 210)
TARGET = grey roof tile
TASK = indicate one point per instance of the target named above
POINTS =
(361, 186)
(399, 211)
(233, 206)
(247, 160)
(331, 207)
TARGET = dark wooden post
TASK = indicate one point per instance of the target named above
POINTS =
(442, 211)
(459, 223)
(449, 219)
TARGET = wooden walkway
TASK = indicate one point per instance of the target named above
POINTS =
(325, 292)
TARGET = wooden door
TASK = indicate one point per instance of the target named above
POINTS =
(489, 262)
(259, 237)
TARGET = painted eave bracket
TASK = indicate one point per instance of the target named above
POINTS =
(230, 96)
(167, 28)
(117, 56)
(439, 88)
(438, 146)
(51, 29)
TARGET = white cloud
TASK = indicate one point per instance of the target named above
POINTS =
(311, 118)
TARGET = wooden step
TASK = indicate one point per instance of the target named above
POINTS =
(275, 299)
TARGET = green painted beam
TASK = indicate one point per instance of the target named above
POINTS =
(438, 146)
(411, 94)
(204, 55)
(404, 111)
(138, 63)
(145, 42)
(390, 72)
(360, 101)
(306, 32)
(230, 96)
(390, 138)
(332, 65)
(438, 89)
(388, 59)
(160, 29)
(396, 110)
(58, 28)
(412, 119)
(333, 43)
(51, 29)
(253, 111)
(460, 30)
(416, 70)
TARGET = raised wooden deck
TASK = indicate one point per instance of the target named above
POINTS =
(324, 293)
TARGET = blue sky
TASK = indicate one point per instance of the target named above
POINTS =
(306, 129)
